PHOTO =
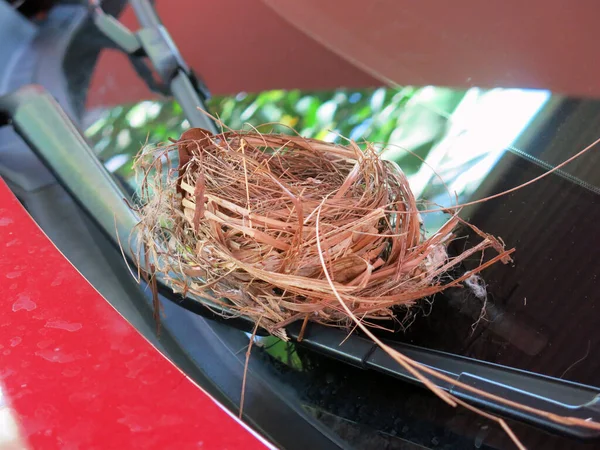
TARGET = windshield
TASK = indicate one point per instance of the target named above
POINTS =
(536, 314)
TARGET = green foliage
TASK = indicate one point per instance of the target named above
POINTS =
(405, 118)
(283, 351)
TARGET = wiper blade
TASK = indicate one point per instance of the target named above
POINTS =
(549, 394)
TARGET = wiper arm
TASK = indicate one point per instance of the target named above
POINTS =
(153, 42)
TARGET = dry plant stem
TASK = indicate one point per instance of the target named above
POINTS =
(246, 363)
(303, 329)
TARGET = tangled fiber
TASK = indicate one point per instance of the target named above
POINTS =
(236, 224)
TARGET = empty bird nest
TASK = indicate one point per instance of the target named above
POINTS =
(281, 228)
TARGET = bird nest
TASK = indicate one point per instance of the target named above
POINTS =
(257, 223)
(281, 228)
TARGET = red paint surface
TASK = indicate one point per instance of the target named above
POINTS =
(235, 46)
(460, 43)
(254, 45)
(76, 372)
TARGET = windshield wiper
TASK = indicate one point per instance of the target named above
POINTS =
(550, 394)
(153, 44)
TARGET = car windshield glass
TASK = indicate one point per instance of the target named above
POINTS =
(539, 311)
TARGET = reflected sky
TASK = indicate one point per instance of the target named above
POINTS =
(483, 126)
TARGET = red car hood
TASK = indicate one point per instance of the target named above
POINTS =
(75, 374)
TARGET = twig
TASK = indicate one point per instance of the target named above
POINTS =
(243, 395)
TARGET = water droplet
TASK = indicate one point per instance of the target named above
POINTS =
(134, 420)
(63, 325)
(23, 302)
(5, 221)
(137, 365)
(11, 275)
(71, 372)
(53, 355)
(5, 373)
(12, 242)
(15, 341)
(86, 396)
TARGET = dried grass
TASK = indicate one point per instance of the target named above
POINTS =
(236, 224)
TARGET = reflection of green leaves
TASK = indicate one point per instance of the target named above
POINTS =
(420, 125)
(283, 351)
(409, 117)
